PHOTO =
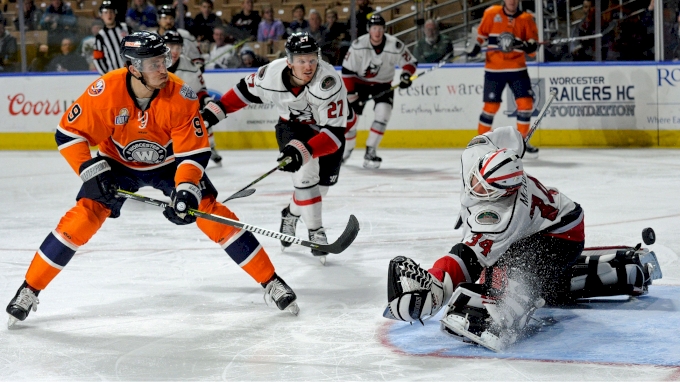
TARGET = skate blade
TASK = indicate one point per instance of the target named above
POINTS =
(458, 324)
(12, 320)
(371, 164)
(322, 259)
(293, 308)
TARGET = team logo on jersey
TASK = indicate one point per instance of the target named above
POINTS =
(145, 152)
(498, 19)
(477, 141)
(122, 117)
(187, 92)
(328, 83)
(260, 73)
(487, 218)
(506, 42)
(372, 70)
(142, 118)
(302, 116)
(97, 88)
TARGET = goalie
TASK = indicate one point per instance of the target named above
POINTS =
(523, 242)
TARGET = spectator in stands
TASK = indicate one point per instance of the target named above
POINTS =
(337, 38)
(8, 49)
(247, 20)
(87, 45)
(205, 22)
(251, 60)
(670, 29)
(314, 27)
(69, 60)
(363, 13)
(584, 50)
(270, 29)
(187, 22)
(433, 47)
(59, 21)
(222, 54)
(32, 17)
(299, 23)
(141, 16)
(41, 60)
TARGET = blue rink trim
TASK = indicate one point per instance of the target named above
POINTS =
(616, 330)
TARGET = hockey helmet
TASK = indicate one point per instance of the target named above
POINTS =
(166, 10)
(498, 173)
(173, 37)
(143, 45)
(301, 43)
(107, 4)
(375, 19)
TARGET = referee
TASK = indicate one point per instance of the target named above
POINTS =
(106, 52)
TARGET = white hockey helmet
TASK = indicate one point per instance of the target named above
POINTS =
(498, 173)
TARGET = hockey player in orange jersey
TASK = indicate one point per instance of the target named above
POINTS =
(147, 125)
(511, 33)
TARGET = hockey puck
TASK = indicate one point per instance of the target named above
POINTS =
(648, 236)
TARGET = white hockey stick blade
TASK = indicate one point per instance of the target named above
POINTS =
(459, 325)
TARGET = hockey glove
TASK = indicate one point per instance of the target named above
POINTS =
(299, 152)
(473, 50)
(527, 46)
(184, 197)
(99, 183)
(213, 113)
(405, 80)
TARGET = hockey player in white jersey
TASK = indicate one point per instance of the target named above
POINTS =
(311, 101)
(522, 246)
(166, 22)
(368, 70)
(191, 75)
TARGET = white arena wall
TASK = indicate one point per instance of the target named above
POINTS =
(605, 105)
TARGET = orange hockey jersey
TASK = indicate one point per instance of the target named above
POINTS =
(495, 26)
(169, 129)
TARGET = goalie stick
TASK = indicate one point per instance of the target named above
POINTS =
(345, 240)
(413, 78)
(240, 193)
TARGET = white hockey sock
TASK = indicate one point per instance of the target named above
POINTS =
(307, 204)
(211, 137)
(350, 140)
(376, 134)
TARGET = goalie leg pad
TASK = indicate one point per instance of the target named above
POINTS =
(413, 294)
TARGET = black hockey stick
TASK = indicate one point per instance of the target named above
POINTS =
(413, 78)
(339, 245)
(540, 116)
(244, 190)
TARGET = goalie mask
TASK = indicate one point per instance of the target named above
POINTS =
(497, 174)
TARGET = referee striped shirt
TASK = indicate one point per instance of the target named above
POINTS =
(106, 54)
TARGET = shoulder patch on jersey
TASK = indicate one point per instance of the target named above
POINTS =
(187, 92)
(97, 88)
(328, 83)
(261, 72)
(398, 44)
(145, 152)
(122, 117)
(477, 141)
(487, 217)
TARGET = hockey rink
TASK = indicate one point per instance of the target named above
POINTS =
(149, 300)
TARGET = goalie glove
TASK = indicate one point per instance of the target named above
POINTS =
(213, 113)
(413, 294)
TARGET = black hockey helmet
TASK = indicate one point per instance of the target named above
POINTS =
(107, 4)
(166, 10)
(375, 19)
(173, 37)
(142, 45)
(301, 43)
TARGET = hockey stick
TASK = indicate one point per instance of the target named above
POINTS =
(541, 114)
(345, 240)
(238, 45)
(235, 195)
(413, 78)
(240, 194)
(557, 41)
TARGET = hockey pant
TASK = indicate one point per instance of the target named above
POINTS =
(81, 222)
(525, 107)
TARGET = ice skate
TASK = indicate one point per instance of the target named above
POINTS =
(278, 292)
(531, 152)
(319, 236)
(288, 225)
(371, 159)
(215, 156)
(346, 155)
(21, 305)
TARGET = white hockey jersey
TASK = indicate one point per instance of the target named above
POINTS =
(363, 62)
(190, 74)
(490, 228)
(189, 47)
(322, 102)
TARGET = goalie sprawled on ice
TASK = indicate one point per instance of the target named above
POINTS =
(523, 246)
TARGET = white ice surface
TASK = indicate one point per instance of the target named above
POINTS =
(148, 300)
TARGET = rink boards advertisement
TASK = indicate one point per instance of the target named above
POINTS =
(595, 105)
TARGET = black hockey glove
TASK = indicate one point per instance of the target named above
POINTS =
(405, 80)
(99, 183)
(527, 46)
(213, 113)
(183, 197)
(299, 152)
(473, 50)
